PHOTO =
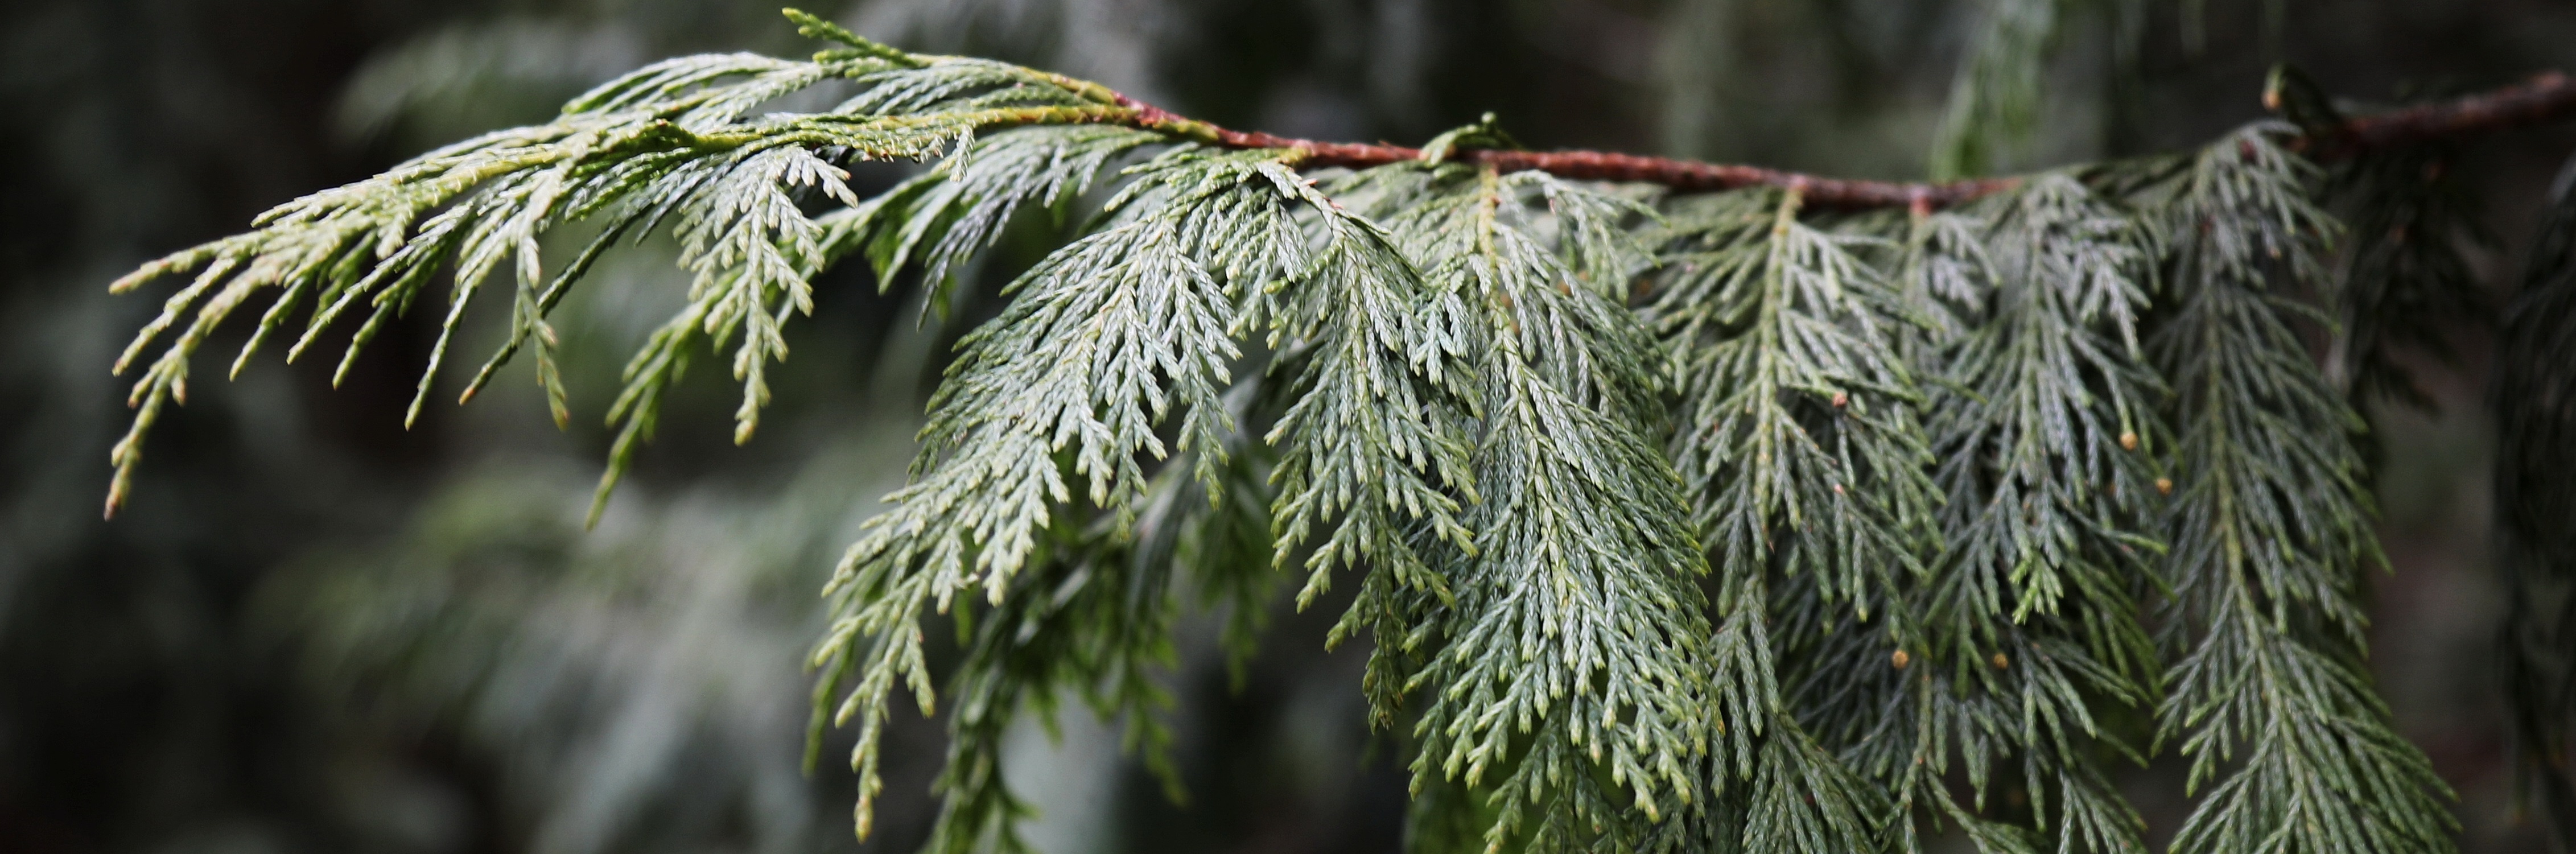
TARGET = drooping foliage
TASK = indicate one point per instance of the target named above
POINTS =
(2029, 618)
(1676, 521)
(2270, 532)
(2536, 541)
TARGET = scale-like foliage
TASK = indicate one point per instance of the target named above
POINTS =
(2043, 451)
(2271, 535)
(1681, 522)
(940, 219)
(2536, 516)
(667, 140)
(1574, 649)
(1805, 460)
(2405, 281)
(2029, 617)
(1798, 430)
(1105, 338)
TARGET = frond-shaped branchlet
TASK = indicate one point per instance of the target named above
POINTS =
(2270, 534)
(669, 144)
(1135, 322)
(1090, 622)
(940, 219)
(1921, 451)
(1374, 445)
(1102, 341)
(2406, 284)
(2044, 440)
(1945, 265)
(1052, 407)
(1789, 792)
(1800, 449)
(1565, 687)
(2536, 516)
(1797, 433)
(1094, 620)
(2043, 426)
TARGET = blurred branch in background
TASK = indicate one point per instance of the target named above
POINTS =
(636, 685)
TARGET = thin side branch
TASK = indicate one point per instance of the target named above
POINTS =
(2551, 95)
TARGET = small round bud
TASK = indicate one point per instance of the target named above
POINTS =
(2001, 662)
(2164, 486)
(1841, 400)
(2128, 441)
(1900, 659)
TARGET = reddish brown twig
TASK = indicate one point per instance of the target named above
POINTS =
(2548, 96)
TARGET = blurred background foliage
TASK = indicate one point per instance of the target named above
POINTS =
(314, 631)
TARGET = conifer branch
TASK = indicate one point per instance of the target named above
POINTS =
(2546, 97)
(2270, 698)
(1575, 649)
(1921, 449)
(2045, 435)
(1798, 440)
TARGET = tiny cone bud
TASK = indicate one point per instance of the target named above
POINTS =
(2001, 662)
(2128, 441)
(1841, 400)
(2164, 486)
(1900, 659)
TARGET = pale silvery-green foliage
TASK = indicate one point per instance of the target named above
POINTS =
(671, 139)
(1577, 620)
(1105, 338)
(1681, 523)
(1798, 430)
(2030, 612)
(1798, 440)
